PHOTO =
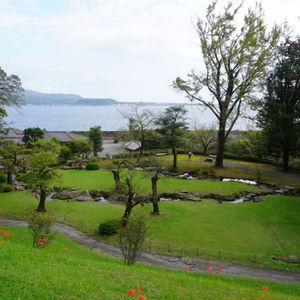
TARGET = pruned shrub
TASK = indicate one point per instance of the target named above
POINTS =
(132, 238)
(109, 227)
(7, 188)
(92, 166)
(39, 226)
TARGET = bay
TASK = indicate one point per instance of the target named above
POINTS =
(82, 117)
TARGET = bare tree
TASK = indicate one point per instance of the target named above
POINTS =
(235, 58)
(204, 137)
(140, 120)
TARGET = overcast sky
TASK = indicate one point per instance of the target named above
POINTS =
(123, 49)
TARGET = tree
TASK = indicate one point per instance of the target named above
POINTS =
(95, 136)
(10, 152)
(42, 172)
(279, 116)
(204, 137)
(31, 135)
(140, 120)
(172, 124)
(235, 60)
(154, 179)
(46, 145)
(80, 148)
(11, 93)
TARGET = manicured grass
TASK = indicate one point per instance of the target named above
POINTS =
(238, 231)
(64, 270)
(233, 169)
(103, 180)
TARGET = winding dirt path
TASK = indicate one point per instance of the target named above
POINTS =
(173, 262)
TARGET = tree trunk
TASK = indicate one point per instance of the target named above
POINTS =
(154, 180)
(116, 174)
(221, 146)
(9, 179)
(285, 158)
(95, 151)
(129, 203)
(41, 206)
(174, 151)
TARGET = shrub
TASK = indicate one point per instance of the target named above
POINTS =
(7, 188)
(109, 227)
(116, 140)
(39, 226)
(132, 238)
(92, 166)
(2, 178)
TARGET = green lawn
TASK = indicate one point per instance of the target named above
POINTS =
(103, 180)
(64, 270)
(238, 231)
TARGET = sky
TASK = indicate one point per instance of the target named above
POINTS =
(129, 50)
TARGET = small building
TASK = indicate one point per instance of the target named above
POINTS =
(132, 146)
(16, 135)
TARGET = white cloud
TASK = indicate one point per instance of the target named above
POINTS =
(120, 48)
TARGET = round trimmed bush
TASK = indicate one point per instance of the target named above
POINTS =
(92, 166)
(7, 188)
(109, 227)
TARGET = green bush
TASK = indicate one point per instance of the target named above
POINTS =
(2, 178)
(92, 166)
(7, 188)
(109, 227)
(116, 140)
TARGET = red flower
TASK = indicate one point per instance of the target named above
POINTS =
(265, 288)
(262, 295)
(7, 233)
(187, 268)
(210, 268)
(1, 231)
(140, 290)
(221, 270)
(131, 292)
(41, 242)
(142, 298)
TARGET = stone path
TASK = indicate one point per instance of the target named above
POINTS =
(174, 262)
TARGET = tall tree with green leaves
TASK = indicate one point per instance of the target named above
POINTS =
(95, 136)
(42, 172)
(235, 59)
(279, 116)
(172, 124)
(10, 152)
(11, 93)
(31, 135)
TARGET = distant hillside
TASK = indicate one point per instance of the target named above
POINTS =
(32, 97)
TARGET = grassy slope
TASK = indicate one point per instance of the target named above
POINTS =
(103, 180)
(270, 227)
(53, 273)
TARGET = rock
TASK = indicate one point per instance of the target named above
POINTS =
(210, 160)
(84, 196)
(65, 195)
(138, 169)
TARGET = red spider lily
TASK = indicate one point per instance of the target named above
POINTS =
(262, 295)
(142, 298)
(7, 233)
(221, 270)
(265, 288)
(1, 231)
(210, 268)
(131, 292)
(187, 268)
(41, 242)
(140, 290)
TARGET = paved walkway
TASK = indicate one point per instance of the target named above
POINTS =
(169, 261)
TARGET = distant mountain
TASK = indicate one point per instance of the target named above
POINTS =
(37, 98)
